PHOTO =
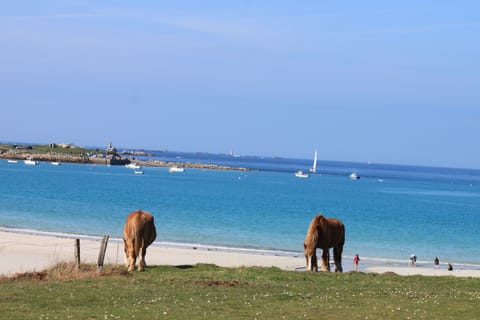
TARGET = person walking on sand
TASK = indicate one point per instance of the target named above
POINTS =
(450, 267)
(436, 262)
(413, 260)
(356, 260)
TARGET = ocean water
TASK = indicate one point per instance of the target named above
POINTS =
(390, 213)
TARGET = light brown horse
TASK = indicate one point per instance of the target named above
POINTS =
(324, 233)
(139, 232)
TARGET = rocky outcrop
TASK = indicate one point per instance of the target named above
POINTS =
(159, 163)
(49, 157)
(76, 158)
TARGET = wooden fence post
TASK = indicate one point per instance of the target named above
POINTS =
(103, 249)
(77, 252)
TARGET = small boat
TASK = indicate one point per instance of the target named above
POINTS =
(313, 169)
(176, 170)
(30, 162)
(56, 163)
(133, 166)
(138, 172)
(301, 174)
(12, 161)
(354, 176)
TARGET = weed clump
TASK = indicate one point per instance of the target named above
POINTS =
(69, 271)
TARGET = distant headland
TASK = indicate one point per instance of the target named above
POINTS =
(69, 153)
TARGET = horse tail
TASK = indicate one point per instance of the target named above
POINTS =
(154, 233)
(342, 236)
(138, 241)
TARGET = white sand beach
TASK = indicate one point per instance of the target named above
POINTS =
(23, 251)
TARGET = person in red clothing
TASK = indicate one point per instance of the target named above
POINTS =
(356, 259)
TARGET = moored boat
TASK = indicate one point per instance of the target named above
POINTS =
(30, 162)
(354, 176)
(301, 174)
(176, 170)
(133, 166)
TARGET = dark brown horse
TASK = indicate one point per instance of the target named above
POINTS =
(324, 233)
(139, 232)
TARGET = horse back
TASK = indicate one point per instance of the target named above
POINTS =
(140, 227)
(337, 231)
(331, 232)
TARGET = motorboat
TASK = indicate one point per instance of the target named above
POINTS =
(176, 170)
(354, 176)
(301, 174)
(55, 163)
(138, 172)
(133, 166)
(12, 161)
(30, 162)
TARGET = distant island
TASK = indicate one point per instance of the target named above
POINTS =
(70, 153)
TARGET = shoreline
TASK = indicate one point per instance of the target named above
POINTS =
(25, 250)
(366, 261)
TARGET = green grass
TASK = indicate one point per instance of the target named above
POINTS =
(210, 292)
(43, 149)
(59, 150)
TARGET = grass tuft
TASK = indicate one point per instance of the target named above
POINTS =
(68, 271)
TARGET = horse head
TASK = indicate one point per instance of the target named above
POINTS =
(311, 256)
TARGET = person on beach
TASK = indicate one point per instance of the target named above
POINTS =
(413, 260)
(356, 259)
(436, 262)
(450, 267)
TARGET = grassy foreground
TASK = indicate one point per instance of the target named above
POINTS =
(210, 292)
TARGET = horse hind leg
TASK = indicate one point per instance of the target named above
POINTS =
(337, 257)
(325, 260)
(131, 257)
(141, 259)
(131, 263)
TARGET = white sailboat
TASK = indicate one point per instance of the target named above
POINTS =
(314, 168)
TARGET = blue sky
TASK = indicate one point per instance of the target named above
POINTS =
(380, 81)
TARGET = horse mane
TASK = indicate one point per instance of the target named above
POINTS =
(312, 233)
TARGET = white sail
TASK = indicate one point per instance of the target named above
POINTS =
(314, 168)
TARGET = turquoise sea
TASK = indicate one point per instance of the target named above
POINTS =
(390, 213)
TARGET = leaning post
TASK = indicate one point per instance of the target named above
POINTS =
(103, 249)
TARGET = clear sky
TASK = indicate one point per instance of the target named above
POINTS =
(380, 81)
